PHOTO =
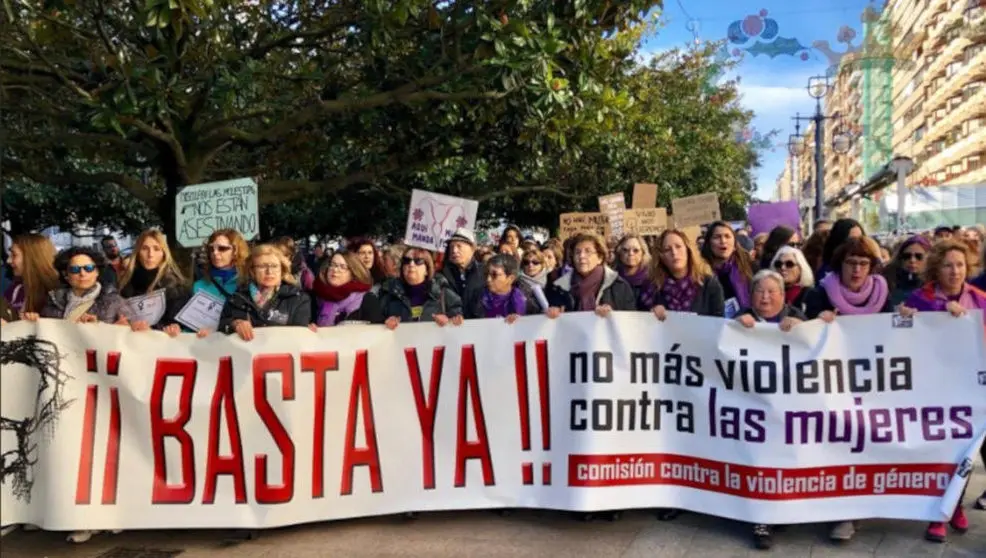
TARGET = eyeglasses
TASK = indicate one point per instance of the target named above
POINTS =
(271, 268)
(415, 261)
(339, 266)
(795, 244)
(77, 269)
(223, 248)
(584, 253)
(861, 264)
(785, 264)
(531, 263)
(916, 256)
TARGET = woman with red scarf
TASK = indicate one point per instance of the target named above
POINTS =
(797, 274)
(341, 292)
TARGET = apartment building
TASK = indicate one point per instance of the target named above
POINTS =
(939, 106)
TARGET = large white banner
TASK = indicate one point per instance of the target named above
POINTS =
(106, 428)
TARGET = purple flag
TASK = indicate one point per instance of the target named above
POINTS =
(763, 217)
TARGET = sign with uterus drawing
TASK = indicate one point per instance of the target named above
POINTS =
(433, 218)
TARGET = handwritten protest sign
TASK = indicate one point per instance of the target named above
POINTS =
(574, 223)
(432, 219)
(644, 196)
(203, 208)
(645, 222)
(696, 210)
(613, 206)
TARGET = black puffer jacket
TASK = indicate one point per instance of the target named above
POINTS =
(468, 285)
(289, 307)
(614, 291)
(442, 299)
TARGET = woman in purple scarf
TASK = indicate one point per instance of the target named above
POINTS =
(633, 262)
(732, 265)
(681, 281)
(340, 292)
(501, 298)
(854, 287)
(946, 290)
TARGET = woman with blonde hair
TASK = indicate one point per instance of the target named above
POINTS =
(681, 280)
(152, 269)
(32, 260)
(226, 262)
(633, 262)
(269, 296)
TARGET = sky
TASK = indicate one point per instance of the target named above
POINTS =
(775, 89)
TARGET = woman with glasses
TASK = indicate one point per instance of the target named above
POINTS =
(905, 270)
(270, 296)
(633, 262)
(791, 264)
(590, 286)
(533, 279)
(227, 254)
(84, 300)
(946, 290)
(501, 297)
(341, 292)
(154, 269)
(779, 236)
(418, 295)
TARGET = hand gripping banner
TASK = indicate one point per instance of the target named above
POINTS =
(105, 428)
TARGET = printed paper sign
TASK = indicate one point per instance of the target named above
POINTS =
(644, 196)
(696, 210)
(147, 308)
(203, 208)
(645, 222)
(613, 206)
(574, 223)
(105, 428)
(201, 312)
(432, 219)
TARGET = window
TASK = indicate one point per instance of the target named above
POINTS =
(971, 52)
(973, 162)
(954, 68)
(919, 133)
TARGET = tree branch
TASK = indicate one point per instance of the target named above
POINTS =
(69, 177)
(513, 190)
(168, 139)
(261, 50)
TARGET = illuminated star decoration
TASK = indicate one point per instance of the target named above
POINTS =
(763, 31)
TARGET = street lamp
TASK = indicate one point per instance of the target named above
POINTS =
(818, 88)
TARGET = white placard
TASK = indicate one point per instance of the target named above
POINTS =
(202, 312)
(147, 308)
(432, 219)
(203, 208)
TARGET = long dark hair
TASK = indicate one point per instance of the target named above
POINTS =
(838, 236)
(743, 260)
(376, 271)
(779, 236)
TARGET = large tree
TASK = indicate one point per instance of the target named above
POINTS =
(315, 97)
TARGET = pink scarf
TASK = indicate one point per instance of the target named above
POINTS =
(869, 300)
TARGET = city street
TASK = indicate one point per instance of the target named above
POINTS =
(524, 534)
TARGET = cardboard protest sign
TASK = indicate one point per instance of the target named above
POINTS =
(645, 222)
(204, 208)
(574, 223)
(644, 196)
(613, 206)
(696, 210)
(432, 219)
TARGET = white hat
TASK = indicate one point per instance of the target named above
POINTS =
(464, 235)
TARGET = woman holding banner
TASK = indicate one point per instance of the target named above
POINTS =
(633, 262)
(227, 253)
(270, 297)
(341, 292)
(680, 281)
(418, 295)
(151, 270)
(946, 290)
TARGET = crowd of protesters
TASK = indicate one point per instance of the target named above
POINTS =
(774, 277)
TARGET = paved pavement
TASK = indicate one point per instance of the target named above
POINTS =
(534, 534)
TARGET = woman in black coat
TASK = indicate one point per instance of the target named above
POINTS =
(681, 281)
(270, 298)
(152, 269)
(591, 285)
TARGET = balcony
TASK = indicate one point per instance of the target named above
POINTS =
(950, 54)
(970, 71)
(957, 151)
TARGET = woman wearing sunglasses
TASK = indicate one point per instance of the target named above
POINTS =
(84, 300)
(269, 297)
(533, 279)
(904, 273)
(797, 274)
(227, 255)
(418, 295)
(154, 269)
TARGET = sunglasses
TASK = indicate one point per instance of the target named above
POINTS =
(415, 261)
(787, 264)
(916, 256)
(795, 244)
(220, 248)
(77, 269)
